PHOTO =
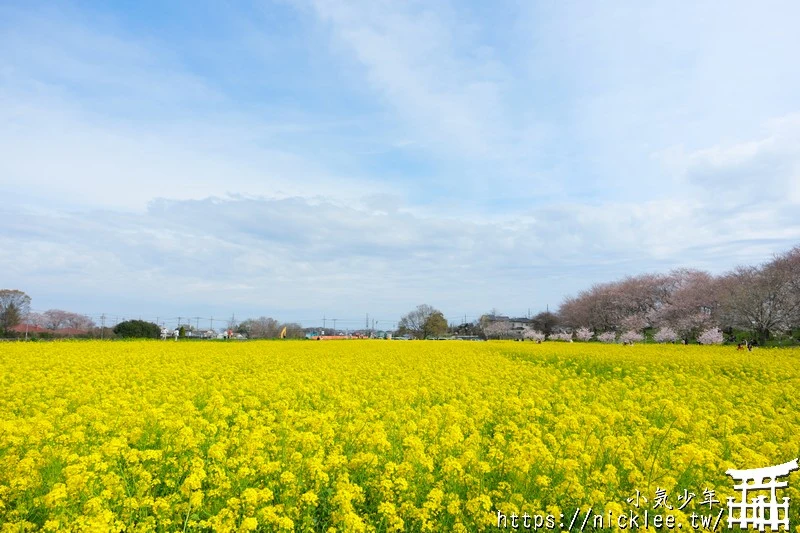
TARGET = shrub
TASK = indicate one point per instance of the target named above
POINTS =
(137, 329)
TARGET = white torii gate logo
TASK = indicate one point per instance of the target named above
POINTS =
(759, 512)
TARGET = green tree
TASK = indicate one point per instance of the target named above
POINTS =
(14, 306)
(137, 329)
(435, 325)
(9, 318)
(424, 321)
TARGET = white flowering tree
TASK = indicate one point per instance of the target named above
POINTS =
(665, 334)
(583, 334)
(532, 334)
(564, 337)
(607, 337)
(629, 337)
(711, 336)
(497, 330)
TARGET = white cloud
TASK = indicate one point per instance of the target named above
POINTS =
(283, 256)
(465, 166)
(761, 170)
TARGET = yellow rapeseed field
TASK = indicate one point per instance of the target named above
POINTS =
(382, 435)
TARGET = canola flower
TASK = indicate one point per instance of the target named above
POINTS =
(378, 436)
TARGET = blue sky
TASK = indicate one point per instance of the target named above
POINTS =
(306, 158)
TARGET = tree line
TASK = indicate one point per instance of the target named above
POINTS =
(688, 304)
(761, 300)
(15, 309)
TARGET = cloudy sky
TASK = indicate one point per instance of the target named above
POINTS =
(310, 158)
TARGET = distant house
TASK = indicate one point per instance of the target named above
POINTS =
(519, 323)
(506, 327)
(202, 334)
(512, 322)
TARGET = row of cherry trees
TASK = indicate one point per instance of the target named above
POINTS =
(15, 309)
(688, 304)
(503, 330)
(56, 319)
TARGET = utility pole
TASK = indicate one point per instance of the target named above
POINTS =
(324, 321)
(334, 326)
(366, 323)
(211, 324)
(179, 323)
(102, 326)
(197, 323)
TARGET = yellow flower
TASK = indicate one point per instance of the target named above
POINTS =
(373, 436)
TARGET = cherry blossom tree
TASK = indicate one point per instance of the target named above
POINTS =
(692, 304)
(594, 307)
(55, 319)
(627, 304)
(665, 334)
(583, 334)
(607, 337)
(532, 334)
(36, 319)
(634, 323)
(564, 337)
(629, 337)
(763, 299)
(499, 329)
(711, 336)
